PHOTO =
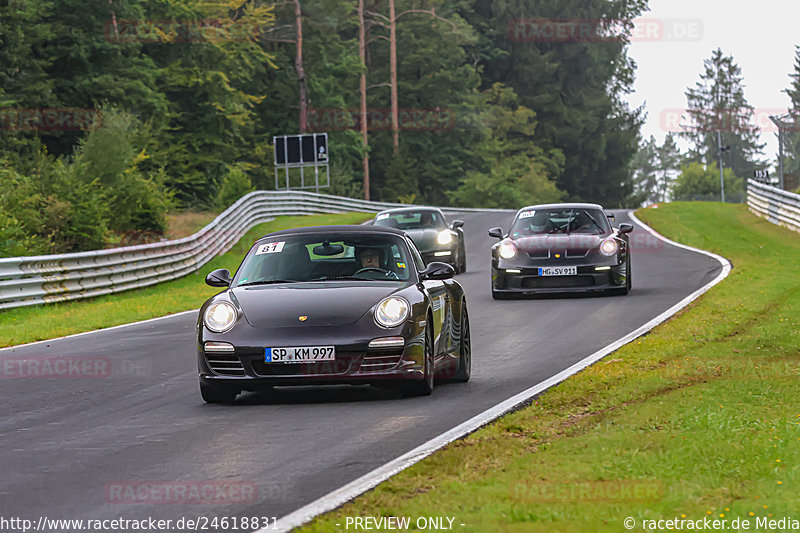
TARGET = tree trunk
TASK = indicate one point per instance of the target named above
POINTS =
(301, 73)
(393, 78)
(362, 54)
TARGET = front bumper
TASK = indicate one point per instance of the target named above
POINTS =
(444, 256)
(355, 362)
(588, 279)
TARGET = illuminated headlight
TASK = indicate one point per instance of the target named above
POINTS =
(219, 317)
(507, 250)
(444, 238)
(609, 247)
(391, 312)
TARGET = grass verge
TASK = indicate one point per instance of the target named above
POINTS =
(699, 420)
(28, 324)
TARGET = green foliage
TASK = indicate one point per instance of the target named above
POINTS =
(518, 170)
(575, 88)
(235, 184)
(697, 180)
(54, 210)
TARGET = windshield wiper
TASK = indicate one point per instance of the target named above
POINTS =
(329, 278)
(267, 282)
(595, 222)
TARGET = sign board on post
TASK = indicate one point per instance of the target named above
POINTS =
(302, 151)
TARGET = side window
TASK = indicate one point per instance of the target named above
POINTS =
(415, 254)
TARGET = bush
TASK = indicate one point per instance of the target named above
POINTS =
(235, 184)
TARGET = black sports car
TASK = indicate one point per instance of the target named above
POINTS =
(332, 304)
(428, 228)
(561, 248)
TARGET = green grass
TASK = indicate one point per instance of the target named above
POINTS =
(700, 418)
(28, 324)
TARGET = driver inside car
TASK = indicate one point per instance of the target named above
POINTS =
(370, 257)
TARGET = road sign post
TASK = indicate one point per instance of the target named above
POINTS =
(302, 151)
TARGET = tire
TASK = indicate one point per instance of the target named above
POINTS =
(629, 275)
(425, 386)
(462, 260)
(627, 288)
(465, 352)
(217, 394)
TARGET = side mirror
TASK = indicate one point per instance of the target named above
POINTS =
(457, 224)
(625, 228)
(496, 232)
(437, 270)
(219, 278)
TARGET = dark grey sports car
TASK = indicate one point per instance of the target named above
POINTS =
(561, 248)
(428, 228)
(332, 304)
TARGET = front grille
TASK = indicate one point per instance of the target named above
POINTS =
(557, 282)
(577, 252)
(225, 364)
(337, 367)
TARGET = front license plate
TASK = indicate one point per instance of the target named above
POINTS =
(300, 354)
(558, 271)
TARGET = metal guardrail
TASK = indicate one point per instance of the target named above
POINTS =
(776, 205)
(45, 279)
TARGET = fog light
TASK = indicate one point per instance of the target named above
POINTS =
(387, 342)
(603, 268)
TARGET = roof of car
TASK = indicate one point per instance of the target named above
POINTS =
(335, 229)
(410, 208)
(563, 206)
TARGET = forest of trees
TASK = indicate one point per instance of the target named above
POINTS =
(115, 111)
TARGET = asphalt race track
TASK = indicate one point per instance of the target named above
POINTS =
(76, 447)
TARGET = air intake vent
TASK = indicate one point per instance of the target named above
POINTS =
(379, 363)
(224, 364)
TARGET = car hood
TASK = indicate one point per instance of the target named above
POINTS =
(572, 245)
(425, 239)
(323, 303)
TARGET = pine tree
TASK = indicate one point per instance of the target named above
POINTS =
(717, 105)
(669, 162)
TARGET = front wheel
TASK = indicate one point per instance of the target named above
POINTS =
(462, 260)
(217, 394)
(424, 387)
(465, 354)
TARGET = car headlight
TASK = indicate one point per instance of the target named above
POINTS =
(444, 238)
(609, 247)
(391, 312)
(219, 317)
(507, 250)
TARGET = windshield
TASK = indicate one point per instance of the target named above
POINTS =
(294, 258)
(411, 220)
(560, 220)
